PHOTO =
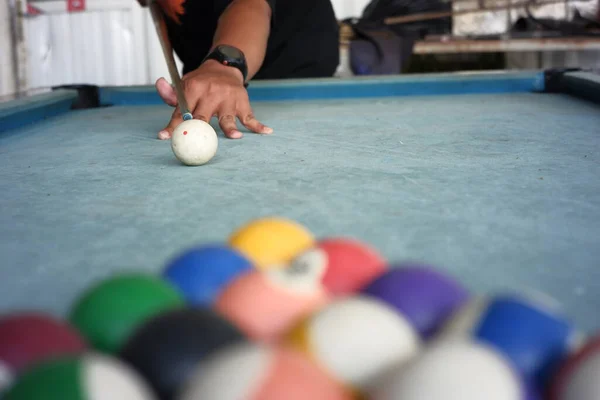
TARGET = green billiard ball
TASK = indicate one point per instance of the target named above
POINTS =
(89, 376)
(108, 312)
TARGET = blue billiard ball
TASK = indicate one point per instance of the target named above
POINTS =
(529, 330)
(202, 272)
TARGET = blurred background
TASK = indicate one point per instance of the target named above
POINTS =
(112, 42)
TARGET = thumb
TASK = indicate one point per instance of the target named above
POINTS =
(167, 132)
(166, 92)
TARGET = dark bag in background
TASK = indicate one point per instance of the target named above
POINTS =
(377, 50)
(380, 49)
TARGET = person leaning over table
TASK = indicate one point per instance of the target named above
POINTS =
(259, 39)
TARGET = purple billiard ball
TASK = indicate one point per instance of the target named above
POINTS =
(424, 295)
(532, 392)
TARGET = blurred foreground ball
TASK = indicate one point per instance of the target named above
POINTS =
(201, 273)
(528, 330)
(355, 339)
(458, 370)
(250, 371)
(348, 264)
(167, 348)
(28, 338)
(579, 375)
(108, 312)
(271, 242)
(425, 296)
(265, 304)
(85, 377)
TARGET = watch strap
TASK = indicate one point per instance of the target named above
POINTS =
(238, 62)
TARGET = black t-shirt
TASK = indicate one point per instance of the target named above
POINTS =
(304, 38)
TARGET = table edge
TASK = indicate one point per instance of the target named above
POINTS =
(37, 107)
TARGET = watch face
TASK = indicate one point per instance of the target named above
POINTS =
(230, 52)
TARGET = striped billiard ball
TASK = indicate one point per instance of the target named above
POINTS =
(348, 264)
(528, 329)
(456, 370)
(355, 339)
(90, 376)
(27, 338)
(578, 377)
(252, 371)
(167, 348)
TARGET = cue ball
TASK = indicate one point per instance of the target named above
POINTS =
(194, 142)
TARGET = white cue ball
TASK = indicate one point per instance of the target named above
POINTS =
(194, 142)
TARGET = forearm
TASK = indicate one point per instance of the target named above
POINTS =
(245, 24)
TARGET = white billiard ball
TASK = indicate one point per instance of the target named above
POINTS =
(453, 370)
(194, 142)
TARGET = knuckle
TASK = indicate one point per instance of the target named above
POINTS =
(193, 85)
(227, 118)
(249, 117)
(215, 89)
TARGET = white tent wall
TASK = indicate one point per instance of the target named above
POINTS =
(7, 73)
(113, 42)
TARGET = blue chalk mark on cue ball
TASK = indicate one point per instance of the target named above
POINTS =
(187, 116)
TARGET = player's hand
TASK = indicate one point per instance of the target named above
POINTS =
(212, 90)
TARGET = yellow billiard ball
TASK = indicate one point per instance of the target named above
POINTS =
(271, 242)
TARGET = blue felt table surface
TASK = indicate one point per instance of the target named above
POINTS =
(502, 191)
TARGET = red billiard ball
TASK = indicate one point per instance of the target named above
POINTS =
(578, 378)
(31, 337)
(348, 264)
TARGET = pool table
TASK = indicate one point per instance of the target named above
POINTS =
(493, 177)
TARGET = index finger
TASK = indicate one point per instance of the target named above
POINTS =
(167, 132)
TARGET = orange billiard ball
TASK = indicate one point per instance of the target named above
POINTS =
(265, 304)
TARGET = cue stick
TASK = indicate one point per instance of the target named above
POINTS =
(161, 31)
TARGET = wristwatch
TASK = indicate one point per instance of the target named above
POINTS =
(231, 57)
